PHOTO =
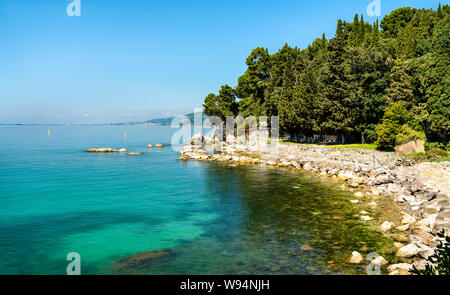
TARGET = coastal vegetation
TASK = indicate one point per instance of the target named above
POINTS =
(384, 83)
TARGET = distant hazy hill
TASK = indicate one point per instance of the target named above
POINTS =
(163, 121)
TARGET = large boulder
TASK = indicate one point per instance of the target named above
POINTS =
(197, 139)
(421, 264)
(408, 251)
(421, 234)
(408, 219)
(412, 147)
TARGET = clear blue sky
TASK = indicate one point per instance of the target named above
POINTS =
(127, 60)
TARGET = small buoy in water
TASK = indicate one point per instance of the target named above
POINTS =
(125, 134)
(48, 132)
(149, 146)
(158, 145)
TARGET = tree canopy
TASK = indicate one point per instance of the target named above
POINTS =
(356, 83)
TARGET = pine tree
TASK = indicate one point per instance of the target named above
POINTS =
(221, 105)
(252, 85)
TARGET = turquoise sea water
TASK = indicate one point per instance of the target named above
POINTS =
(210, 217)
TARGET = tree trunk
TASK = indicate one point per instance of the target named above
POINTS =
(363, 138)
(343, 138)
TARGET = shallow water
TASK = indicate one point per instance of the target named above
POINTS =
(213, 218)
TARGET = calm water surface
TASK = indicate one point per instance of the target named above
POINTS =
(206, 218)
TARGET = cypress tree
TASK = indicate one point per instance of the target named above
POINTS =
(324, 41)
(400, 88)
(336, 114)
(362, 30)
(375, 35)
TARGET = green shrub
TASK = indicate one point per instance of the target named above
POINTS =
(435, 153)
(394, 118)
(438, 145)
(439, 261)
(408, 134)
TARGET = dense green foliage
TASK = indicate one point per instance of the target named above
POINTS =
(408, 134)
(439, 262)
(356, 85)
(439, 145)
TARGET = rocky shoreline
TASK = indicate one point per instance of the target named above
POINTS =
(422, 190)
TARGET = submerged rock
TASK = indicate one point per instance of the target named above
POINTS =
(379, 261)
(356, 258)
(366, 218)
(386, 226)
(143, 259)
(102, 150)
(307, 247)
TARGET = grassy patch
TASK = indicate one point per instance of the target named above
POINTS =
(439, 160)
(415, 155)
(353, 146)
(338, 146)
